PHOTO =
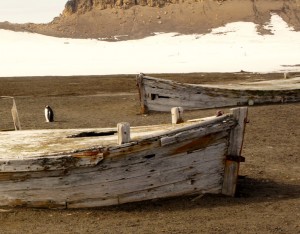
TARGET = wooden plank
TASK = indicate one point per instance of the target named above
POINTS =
(186, 187)
(141, 89)
(196, 133)
(14, 112)
(60, 162)
(237, 135)
(81, 189)
(234, 149)
(187, 96)
(15, 116)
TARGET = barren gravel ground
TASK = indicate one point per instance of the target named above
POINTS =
(268, 198)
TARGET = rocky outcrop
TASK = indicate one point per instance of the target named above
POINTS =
(134, 19)
(83, 6)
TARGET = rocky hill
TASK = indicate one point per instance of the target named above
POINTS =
(83, 6)
(131, 19)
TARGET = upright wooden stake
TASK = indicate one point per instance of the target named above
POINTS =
(234, 158)
(177, 113)
(15, 116)
(123, 133)
(141, 88)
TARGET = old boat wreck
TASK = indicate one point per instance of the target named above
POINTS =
(161, 95)
(78, 168)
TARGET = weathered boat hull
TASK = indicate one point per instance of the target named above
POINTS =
(161, 95)
(190, 158)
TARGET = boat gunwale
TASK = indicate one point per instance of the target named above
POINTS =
(238, 87)
(97, 152)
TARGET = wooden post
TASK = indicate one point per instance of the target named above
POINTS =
(250, 102)
(234, 158)
(141, 88)
(177, 113)
(15, 116)
(123, 133)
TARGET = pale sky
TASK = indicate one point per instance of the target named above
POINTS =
(34, 11)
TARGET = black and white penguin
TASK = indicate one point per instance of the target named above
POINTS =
(49, 114)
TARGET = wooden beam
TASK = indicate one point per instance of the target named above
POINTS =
(234, 150)
(141, 88)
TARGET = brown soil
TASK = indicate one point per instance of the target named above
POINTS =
(186, 17)
(268, 197)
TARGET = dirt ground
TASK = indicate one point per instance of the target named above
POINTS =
(268, 197)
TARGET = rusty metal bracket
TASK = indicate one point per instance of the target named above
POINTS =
(235, 158)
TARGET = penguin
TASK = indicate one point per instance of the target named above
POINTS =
(49, 114)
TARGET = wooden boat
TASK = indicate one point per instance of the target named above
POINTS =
(77, 168)
(161, 95)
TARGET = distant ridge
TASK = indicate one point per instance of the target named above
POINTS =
(83, 6)
(133, 19)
